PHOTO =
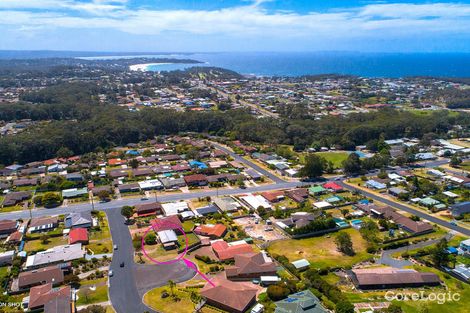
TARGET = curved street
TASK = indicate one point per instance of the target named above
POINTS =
(129, 283)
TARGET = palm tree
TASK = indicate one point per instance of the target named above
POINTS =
(172, 285)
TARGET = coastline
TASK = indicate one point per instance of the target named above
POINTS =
(144, 67)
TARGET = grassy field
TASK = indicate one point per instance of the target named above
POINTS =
(88, 296)
(168, 305)
(465, 166)
(36, 245)
(100, 241)
(337, 157)
(321, 251)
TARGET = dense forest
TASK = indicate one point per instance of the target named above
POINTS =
(77, 121)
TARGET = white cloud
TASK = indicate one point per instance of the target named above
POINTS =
(249, 20)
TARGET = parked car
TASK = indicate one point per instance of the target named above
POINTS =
(110, 273)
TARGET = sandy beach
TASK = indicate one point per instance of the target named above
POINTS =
(144, 67)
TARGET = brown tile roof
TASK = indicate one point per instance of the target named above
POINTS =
(393, 276)
(251, 263)
(226, 294)
(189, 179)
(7, 226)
(41, 276)
(148, 207)
(40, 295)
(39, 221)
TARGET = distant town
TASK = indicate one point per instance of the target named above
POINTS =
(325, 193)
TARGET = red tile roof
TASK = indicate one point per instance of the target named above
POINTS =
(167, 223)
(217, 230)
(226, 252)
(332, 186)
(78, 235)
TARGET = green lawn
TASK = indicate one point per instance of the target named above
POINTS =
(168, 305)
(337, 157)
(321, 251)
(100, 241)
(192, 238)
(88, 296)
(36, 245)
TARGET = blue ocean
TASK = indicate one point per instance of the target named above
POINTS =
(311, 63)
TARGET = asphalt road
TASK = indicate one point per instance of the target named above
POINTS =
(129, 283)
(254, 166)
(402, 207)
(118, 203)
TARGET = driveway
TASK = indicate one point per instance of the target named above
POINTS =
(387, 259)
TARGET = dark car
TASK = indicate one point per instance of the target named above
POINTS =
(122, 264)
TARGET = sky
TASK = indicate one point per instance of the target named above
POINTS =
(235, 25)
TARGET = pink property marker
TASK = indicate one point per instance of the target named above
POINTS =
(181, 257)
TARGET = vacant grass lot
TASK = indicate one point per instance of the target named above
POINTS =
(88, 296)
(321, 251)
(36, 245)
(168, 305)
(337, 157)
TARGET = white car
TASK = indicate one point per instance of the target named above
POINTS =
(110, 273)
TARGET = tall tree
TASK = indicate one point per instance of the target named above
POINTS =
(352, 165)
(314, 166)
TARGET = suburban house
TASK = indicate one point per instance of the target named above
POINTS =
(148, 209)
(196, 180)
(51, 274)
(389, 277)
(7, 227)
(133, 187)
(21, 182)
(300, 302)
(301, 264)
(41, 224)
(168, 239)
(273, 196)
(14, 198)
(55, 255)
(172, 183)
(414, 227)
(82, 220)
(74, 192)
(227, 204)
(299, 195)
(78, 235)
(460, 209)
(50, 300)
(333, 187)
(227, 251)
(255, 201)
(6, 258)
(75, 177)
(250, 266)
(206, 210)
(211, 231)
(230, 296)
(167, 223)
(175, 208)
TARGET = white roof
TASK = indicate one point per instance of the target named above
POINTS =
(322, 204)
(173, 208)
(256, 201)
(451, 194)
(149, 184)
(301, 263)
(56, 254)
(167, 236)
